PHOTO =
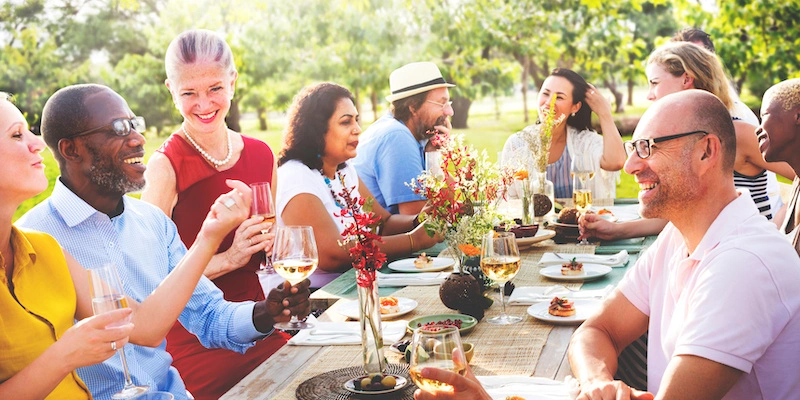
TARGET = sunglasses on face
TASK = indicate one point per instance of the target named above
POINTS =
(642, 146)
(119, 127)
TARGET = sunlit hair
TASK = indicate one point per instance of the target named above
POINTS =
(401, 109)
(583, 117)
(198, 45)
(694, 35)
(699, 63)
(786, 94)
(307, 126)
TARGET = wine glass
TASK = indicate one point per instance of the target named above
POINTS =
(500, 262)
(263, 206)
(107, 295)
(436, 346)
(582, 172)
(294, 257)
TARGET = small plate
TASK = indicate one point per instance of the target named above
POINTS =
(407, 265)
(590, 272)
(350, 385)
(541, 235)
(350, 309)
(467, 322)
(584, 308)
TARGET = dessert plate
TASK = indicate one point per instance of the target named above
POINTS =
(407, 265)
(583, 310)
(350, 309)
(590, 272)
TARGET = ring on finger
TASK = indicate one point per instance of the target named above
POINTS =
(114, 346)
(229, 202)
(249, 242)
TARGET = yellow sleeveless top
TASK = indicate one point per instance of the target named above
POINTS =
(39, 311)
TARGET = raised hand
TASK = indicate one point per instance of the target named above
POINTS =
(89, 341)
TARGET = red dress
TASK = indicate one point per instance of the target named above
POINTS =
(209, 373)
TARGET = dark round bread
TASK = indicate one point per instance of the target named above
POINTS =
(569, 216)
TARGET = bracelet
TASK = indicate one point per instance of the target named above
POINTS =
(410, 239)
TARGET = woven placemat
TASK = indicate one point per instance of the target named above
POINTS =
(330, 385)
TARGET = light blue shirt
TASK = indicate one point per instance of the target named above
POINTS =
(145, 246)
(388, 158)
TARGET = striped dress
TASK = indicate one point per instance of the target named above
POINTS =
(757, 185)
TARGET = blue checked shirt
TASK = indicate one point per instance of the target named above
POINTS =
(145, 246)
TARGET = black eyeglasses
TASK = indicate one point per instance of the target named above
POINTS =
(119, 126)
(642, 146)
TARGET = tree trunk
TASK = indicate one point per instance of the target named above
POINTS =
(234, 116)
(630, 92)
(262, 118)
(373, 98)
(461, 107)
(525, 90)
(618, 97)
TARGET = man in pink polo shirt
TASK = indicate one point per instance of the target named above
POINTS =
(717, 290)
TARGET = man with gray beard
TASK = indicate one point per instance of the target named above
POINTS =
(392, 150)
(98, 143)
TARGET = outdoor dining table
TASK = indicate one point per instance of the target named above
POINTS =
(530, 348)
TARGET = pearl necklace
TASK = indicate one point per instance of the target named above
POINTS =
(212, 160)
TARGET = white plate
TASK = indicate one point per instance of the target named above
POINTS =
(584, 309)
(590, 272)
(541, 235)
(350, 309)
(407, 265)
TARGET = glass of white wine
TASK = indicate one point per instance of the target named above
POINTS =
(450, 357)
(294, 257)
(107, 295)
(582, 173)
(500, 262)
(263, 206)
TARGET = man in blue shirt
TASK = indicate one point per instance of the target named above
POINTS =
(92, 133)
(391, 152)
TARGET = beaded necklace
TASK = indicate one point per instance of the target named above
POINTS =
(328, 182)
(212, 160)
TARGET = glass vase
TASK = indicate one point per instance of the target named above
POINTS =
(543, 196)
(527, 198)
(371, 334)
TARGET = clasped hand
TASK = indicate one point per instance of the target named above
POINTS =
(281, 303)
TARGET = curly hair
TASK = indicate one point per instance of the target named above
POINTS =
(699, 63)
(312, 108)
(583, 117)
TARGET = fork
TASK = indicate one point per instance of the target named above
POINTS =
(557, 287)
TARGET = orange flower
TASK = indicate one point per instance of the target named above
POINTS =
(521, 174)
(469, 250)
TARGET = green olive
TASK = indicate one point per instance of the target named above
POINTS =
(365, 382)
(388, 381)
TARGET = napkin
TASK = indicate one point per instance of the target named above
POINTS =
(345, 333)
(613, 260)
(411, 279)
(529, 388)
(536, 294)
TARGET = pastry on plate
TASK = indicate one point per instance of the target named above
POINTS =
(572, 268)
(561, 307)
(389, 305)
(423, 261)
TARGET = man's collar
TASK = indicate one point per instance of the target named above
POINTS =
(728, 219)
(73, 209)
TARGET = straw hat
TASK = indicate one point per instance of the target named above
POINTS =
(414, 78)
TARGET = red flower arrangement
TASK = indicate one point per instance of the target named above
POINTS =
(367, 256)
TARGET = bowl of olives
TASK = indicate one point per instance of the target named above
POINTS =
(376, 383)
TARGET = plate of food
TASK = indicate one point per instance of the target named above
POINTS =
(423, 263)
(577, 271)
(375, 384)
(541, 235)
(606, 214)
(465, 323)
(391, 307)
(563, 311)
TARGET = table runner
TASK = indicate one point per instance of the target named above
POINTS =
(499, 349)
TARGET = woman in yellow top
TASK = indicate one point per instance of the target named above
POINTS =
(44, 289)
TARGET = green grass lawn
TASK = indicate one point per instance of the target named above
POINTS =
(485, 132)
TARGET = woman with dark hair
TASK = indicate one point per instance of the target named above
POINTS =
(576, 100)
(320, 139)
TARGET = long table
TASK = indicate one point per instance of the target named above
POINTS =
(532, 347)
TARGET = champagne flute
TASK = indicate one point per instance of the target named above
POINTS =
(500, 262)
(107, 295)
(294, 257)
(436, 346)
(263, 206)
(582, 172)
